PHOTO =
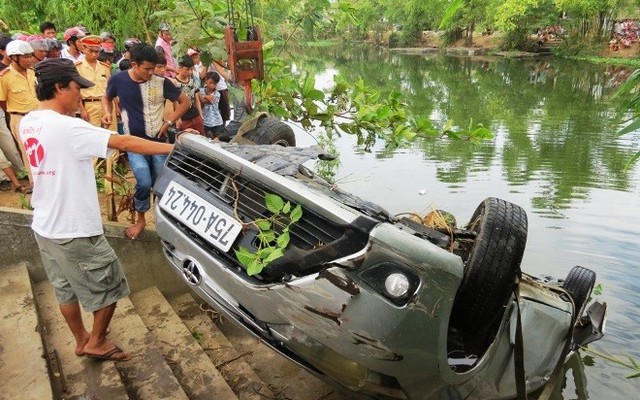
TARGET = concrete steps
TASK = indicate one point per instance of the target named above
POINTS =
(178, 352)
(23, 369)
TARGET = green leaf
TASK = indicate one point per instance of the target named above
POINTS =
(286, 208)
(283, 239)
(245, 256)
(263, 224)
(254, 268)
(633, 376)
(275, 254)
(273, 202)
(635, 125)
(267, 237)
(296, 214)
(449, 13)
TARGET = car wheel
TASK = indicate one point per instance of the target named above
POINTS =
(271, 131)
(491, 264)
(580, 283)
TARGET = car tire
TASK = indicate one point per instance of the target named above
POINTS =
(580, 283)
(491, 264)
(271, 131)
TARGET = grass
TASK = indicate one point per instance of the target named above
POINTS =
(627, 62)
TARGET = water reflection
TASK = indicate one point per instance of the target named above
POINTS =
(555, 153)
(552, 122)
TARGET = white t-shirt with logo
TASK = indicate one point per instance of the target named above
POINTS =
(60, 150)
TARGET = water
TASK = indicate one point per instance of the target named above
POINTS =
(555, 153)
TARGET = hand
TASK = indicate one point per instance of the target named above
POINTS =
(163, 130)
(106, 119)
(178, 124)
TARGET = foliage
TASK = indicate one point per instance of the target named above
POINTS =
(271, 244)
(124, 18)
(25, 203)
(630, 96)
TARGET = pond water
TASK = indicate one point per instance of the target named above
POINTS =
(555, 153)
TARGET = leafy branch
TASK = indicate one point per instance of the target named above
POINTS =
(271, 244)
(630, 364)
(352, 108)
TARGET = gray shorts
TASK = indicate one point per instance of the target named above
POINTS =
(83, 269)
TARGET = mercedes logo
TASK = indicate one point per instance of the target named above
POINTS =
(191, 272)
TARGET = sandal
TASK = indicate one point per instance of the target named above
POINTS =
(24, 189)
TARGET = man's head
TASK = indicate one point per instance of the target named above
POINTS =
(55, 47)
(48, 30)
(72, 37)
(165, 32)
(40, 47)
(129, 43)
(143, 61)
(91, 47)
(4, 41)
(107, 52)
(59, 80)
(185, 67)
(108, 37)
(21, 54)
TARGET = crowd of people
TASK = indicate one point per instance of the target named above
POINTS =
(66, 103)
(109, 103)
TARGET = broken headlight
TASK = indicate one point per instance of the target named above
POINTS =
(394, 282)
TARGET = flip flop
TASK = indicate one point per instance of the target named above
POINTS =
(24, 189)
(108, 356)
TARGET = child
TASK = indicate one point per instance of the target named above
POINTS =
(184, 81)
(161, 66)
(210, 97)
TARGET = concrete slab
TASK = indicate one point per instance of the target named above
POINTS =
(23, 369)
(80, 377)
(238, 374)
(147, 375)
(195, 371)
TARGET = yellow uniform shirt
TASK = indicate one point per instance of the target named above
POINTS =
(18, 91)
(98, 75)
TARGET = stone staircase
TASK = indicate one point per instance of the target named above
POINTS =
(179, 352)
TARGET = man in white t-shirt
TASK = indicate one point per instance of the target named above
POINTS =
(77, 258)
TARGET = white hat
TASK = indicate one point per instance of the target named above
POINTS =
(18, 48)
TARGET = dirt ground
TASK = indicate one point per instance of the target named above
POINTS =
(12, 199)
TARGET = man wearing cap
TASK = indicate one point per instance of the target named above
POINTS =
(98, 73)
(74, 50)
(163, 45)
(17, 90)
(79, 262)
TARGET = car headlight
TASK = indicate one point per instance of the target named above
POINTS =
(395, 282)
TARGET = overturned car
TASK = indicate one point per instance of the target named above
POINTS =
(384, 307)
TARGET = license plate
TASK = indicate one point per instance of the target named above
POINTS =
(215, 226)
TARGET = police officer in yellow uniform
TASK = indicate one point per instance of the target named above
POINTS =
(18, 89)
(97, 72)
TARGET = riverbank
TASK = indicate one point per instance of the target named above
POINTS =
(491, 45)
